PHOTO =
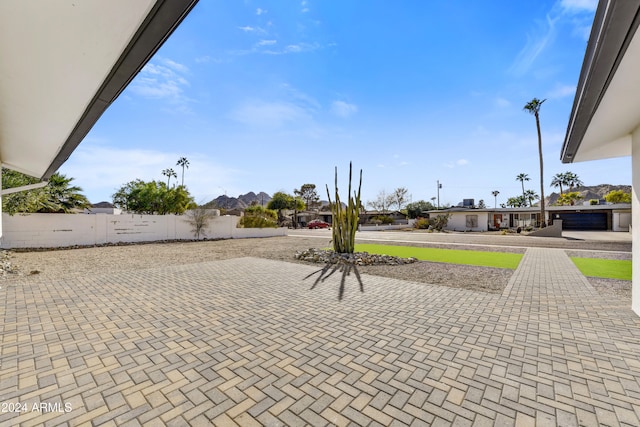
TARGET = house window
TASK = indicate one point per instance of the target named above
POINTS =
(472, 221)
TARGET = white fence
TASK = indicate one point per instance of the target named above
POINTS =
(61, 230)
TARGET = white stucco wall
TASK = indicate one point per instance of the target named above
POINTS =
(635, 219)
(458, 221)
(61, 230)
(621, 221)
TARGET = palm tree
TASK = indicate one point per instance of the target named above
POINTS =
(169, 173)
(61, 196)
(533, 107)
(522, 178)
(572, 180)
(182, 161)
(495, 198)
(530, 195)
(559, 180)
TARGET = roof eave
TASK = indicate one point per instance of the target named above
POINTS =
(162, 20)
(614, 26)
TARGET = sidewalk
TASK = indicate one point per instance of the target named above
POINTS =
(246, 342)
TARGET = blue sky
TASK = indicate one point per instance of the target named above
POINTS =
(270, 95)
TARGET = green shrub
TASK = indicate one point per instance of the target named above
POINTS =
(382, 219)
(440, 222)
(259, 217)
(594, 201)
(421, 223)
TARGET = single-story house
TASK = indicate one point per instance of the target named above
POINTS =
(605, 119)
(365, 217)
(103, 208)
(614, 217)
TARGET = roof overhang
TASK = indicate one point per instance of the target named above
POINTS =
(63, 62)
(606, 109)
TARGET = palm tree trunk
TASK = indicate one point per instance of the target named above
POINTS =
(542, 213)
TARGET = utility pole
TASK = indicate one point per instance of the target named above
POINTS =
(439, 187)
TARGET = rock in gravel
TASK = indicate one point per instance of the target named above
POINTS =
(357, 258)
(5, 264)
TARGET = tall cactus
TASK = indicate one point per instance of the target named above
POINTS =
(345, 220)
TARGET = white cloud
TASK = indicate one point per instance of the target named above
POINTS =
(269, 114)
(177, 67)
(260, 11)
(562, 91)
(162, 79)
(537, 42)
(343, 109)
(579, 5)
(502, 103)
(459, 162)
(266, 42)
(101, 169)
(294, 48)
(250, 29)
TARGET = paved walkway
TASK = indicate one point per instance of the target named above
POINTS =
(246, 342)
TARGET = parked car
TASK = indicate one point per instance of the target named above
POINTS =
(316, 223)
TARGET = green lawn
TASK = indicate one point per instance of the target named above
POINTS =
(606, 268)
(452, 256)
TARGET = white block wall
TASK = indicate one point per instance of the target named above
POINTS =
(60, 230)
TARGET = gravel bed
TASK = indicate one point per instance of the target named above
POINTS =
(55, 264)
(600, 255)
(61, 263)
(612, 287)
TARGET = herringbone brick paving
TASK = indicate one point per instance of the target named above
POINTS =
(246, 342)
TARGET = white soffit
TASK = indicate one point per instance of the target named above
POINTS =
(54, 56)
(609, 132)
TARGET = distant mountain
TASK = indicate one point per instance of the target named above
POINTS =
(590, 192)
(240, 202)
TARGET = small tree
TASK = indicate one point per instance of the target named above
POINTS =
(259, 217)
(152, 197)
(569, 199)
(199, 218)
(381, 202)
(398, 197)
(481, 204)
(416, 209)
(618, 196)
(308, 194)
(283, 201)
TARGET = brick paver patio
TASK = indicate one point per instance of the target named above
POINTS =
(246, 342)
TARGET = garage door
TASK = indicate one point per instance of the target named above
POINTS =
(584, 221)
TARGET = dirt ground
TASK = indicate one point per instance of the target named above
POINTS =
(55, 264)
